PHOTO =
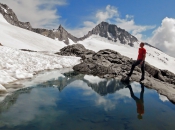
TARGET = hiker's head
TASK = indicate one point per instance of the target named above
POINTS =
(142, 44)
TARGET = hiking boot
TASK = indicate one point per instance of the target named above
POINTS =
(129, 75)
(142, 79)
(128, 86)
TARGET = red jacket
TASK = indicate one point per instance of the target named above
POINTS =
(142, 53)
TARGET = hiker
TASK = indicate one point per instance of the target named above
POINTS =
(140, 60)
(139, 101)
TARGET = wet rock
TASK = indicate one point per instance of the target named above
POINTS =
(125, 79)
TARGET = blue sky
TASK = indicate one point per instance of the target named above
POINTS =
(152, 21)
(73, 13)
(145, 12)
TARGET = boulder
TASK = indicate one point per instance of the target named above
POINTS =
(76, 50)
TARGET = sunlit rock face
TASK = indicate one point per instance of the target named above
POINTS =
(113, 33)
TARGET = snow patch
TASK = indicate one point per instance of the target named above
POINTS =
(71, 42)
(16, 64)
(110, 36)
(163, 98)
(2, 20)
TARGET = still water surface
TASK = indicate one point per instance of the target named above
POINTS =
(84, 102)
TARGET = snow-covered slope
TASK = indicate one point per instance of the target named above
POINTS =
(16, 64)
(16, 37)
(154, 56)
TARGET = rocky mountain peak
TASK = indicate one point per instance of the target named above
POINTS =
(60, 27)
(113, 33)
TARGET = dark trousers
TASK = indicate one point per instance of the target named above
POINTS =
(142, 67)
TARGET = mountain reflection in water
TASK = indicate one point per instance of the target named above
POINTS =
(76, 101)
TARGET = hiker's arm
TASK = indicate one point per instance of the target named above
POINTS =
(144, 56)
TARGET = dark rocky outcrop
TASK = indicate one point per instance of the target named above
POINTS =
(61, 34)
(112, 32)
(76, 50)
(1, 44)
(108, 64)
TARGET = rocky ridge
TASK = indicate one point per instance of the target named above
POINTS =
(104, 29)
(113, 33)
(60, 34)
(110, 64)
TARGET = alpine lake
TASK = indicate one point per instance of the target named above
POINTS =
(74, 101)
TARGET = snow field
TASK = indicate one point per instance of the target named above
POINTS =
(16, 64)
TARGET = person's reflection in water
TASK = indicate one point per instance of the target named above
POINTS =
(139, 102)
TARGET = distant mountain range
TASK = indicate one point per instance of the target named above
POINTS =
(104, 29)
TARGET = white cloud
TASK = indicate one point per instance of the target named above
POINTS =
(36, 11)
(81, 31)
(163, 98)
(129, 25)
(163, 36)
(110, 12)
